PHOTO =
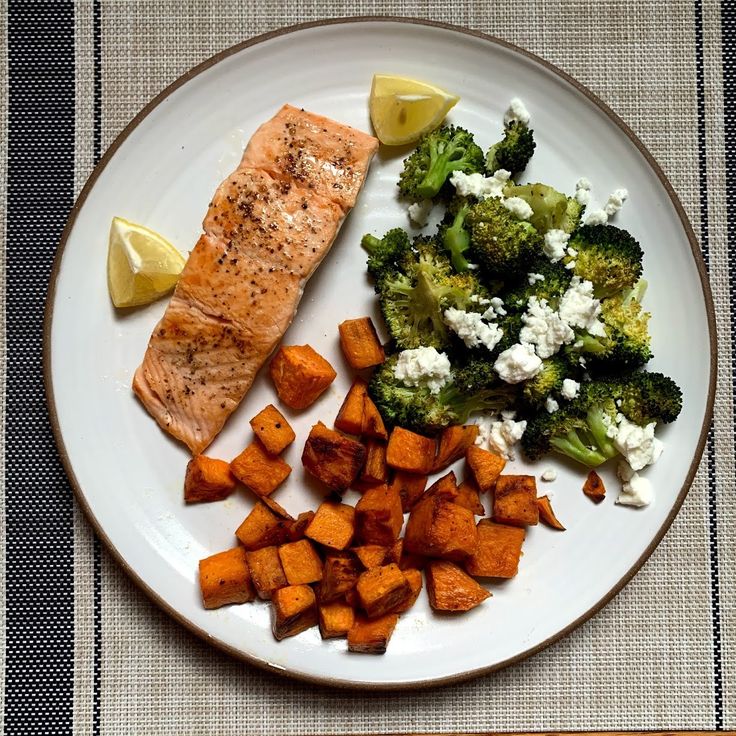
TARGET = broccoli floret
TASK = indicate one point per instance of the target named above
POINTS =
(453, 234)
(627, 340)
(387, 251)
(573, 215)
(514, 151)
(552, 210)
(555, 283)
(499, 241)
(414, 295)
(607, 256)
(437, 155)
(554, 371)
(580, 429)
(475, 388)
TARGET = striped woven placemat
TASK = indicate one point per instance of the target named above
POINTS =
(84, 651)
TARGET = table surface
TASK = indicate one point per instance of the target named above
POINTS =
(82, 648)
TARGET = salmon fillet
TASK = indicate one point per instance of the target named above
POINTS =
(268, 227)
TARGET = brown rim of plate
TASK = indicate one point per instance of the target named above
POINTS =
(697, 256)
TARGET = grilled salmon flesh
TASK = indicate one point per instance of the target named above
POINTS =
(268, 227)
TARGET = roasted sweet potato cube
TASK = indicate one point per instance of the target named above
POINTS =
(350, 417)
(225, 578)
(499, 551)
(371, 636)
(360, 343)
(300, 375)
(412, 562)
(299, 525)
(414, 578)
(339, 575)
(373, 425)
(333, 525)
(361, 486)
(410, 451)
(444, 487)
(352, 599)
(371, 555)
(451, 589)
(266, 571)
(332, 457)
(294, 610)
(263, 528)
(207, 480)
(515, 500)
(378, 516)
(594, 488)
(277, 509)
(440, 528)
(547, 515)
(410, 488)
(395, 551)
(272, 429)
(301, 562)
(454, 443)
(375, 469)
(486, 467)
(381, 589)
(468, 496)
(335, 619)
(261, 472)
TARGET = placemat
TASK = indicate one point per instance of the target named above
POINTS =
(84, 651)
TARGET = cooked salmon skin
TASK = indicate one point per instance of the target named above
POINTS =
(268, 227)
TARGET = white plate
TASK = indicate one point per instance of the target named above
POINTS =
(162, 171)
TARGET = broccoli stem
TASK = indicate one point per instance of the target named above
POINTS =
(370, 243)
(441, 164)
(599, 429)
(572, 446)
(456, 240)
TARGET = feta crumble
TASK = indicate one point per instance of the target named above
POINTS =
(477, 185)
(635, 491)
(532, 278)
(596, 217)
(516, 112)
(496, 308)
(637, 444)
(570, 265)
(578, 307)
(570, 389)
(471, 329)
(582, 191)
(549, 474)
(480, 300)
(572, 252)
(518, 207)
(419, 212)
(551, 405)
(544, 329)
(423, 367)
(518, 363)
(499, 435)
(616, 201)
(555, 242)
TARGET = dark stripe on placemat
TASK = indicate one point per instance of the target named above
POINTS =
(715, 585)
(97, 547)
(39, 573)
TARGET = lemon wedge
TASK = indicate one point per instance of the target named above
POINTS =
(403, 110)
(141, 265)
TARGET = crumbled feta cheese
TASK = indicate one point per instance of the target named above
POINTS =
(471, 329)
(518, 207)
(637, 444)
(544, 329)
(572, 252)
(635, 491)
(472, 266)
(582, 361)
(496, 309)
(582, 191)
(532, 278)
(419, 212)
(554, 244)
(516, 112)
(578, 307)
(480, 300)
(616, 201)
(596, 217)
(611, 428)
(551, 404)
(549, 474)
(477, 185)
(570, 265)
(569, 388)
(423, 367)
(508, 414)
(518, 363)
(504, 435)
